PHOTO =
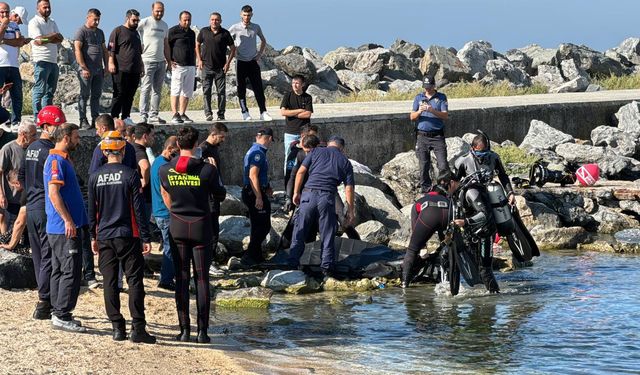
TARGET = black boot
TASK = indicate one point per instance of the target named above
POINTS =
(203, 337)
(42, 311)
(119, 331)
(185, 334)
(140, 335)
(489, 280)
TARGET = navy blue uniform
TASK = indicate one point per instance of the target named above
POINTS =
(327, 168)
(430, 136)
(98, 159)
(116, 220)
(260, 219)
(191, 183)
(31, 176)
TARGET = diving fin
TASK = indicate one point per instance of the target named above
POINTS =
(466, 263)
(521, 242)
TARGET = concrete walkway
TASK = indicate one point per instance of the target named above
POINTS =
(402, 108)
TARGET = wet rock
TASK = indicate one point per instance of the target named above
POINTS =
(599, 245)
(357, 81)
(520, 60)
(404, 86)
(549, 76)
(295, 63)
(503, 70)
(295, 282)
(410, 50)
(536, 214)
(630, 48)
(612, 220)
(593, 62)
(560, 238)
(475, 55)
(341, 58)
(233, 205)
(362, 285)
(233, 230)
(441, 63)
(238, 282)
(540, 56)
(255, 298)
(629, 117)
(16, 271)
(543, 136)
(374, 232)
(577, 84)
(620, 142)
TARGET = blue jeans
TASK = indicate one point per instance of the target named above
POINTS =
(288, 138)
(45, 75)
(167, 272)
(90, 89)
(11, 74)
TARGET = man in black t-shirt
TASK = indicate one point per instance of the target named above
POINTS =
(143, 135)
(125, 65)
(211, 52)
(297, 108)
(182, 45)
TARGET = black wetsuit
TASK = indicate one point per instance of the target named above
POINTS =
(430, 214)
(118, 222)
(212, 151)
(191, 182)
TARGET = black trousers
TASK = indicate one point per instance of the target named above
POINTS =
(250, 70)
(124, 89)
(192, 238)
(209, 76)
(88, 266)
(424, 145)
(66, 273)
(125, 252)
(260, 222)
(424, 224)
(40, 251)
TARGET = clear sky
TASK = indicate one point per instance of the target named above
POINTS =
(327, 24)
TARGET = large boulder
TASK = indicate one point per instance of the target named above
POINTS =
(543, 136)
(503, 70)
(410, 50)
(233, 230)
(233, 205)
(630, 49)
(382, 207)
(341, 58)
(442, 63)
(612, 220)
(570, 70)
(401, 67)
(578, 84)
(540, 56)
(402, 174)
(372, 61)
(357, 81)
(611, 164)
(363, 176)
(475, 55)
(323, 95)
(568, 206)
(549, 76)
(16, 271)
(560, 238)
(374, 232)
(593, 62)
(294, 63)
(520, 60)
(536, 214)
(620, 142)
(629, 117)
(277, 79)
(362, 209)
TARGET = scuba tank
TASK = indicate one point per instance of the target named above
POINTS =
(501, 210)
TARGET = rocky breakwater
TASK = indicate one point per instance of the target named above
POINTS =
(399, 68)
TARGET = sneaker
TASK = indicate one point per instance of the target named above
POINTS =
(177, 119)
(246, 116)
(209, 118)
(215, 271)
(142, 337)
(168, 286)
(157, 120)
(66, 325)
(144, 118)
(84, 124)
(42, 311)
(7, 126)
(186, 119)
(265, 116)
(129, 121)
(93, 284)
(14, 127)
(220, 117)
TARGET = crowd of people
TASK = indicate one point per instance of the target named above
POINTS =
(129, 189)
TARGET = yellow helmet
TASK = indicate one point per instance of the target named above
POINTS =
(112, 141)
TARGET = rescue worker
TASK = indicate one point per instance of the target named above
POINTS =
(430, 214)
(327, 167)
(31, 177)
(116, 220)
(187, 183)
(255, 195)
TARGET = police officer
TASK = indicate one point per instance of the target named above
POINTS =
(328, 167)
(116, 212)
(430, 214)
(430, 109)
(31, 177)
(187, 183)
(255, 195)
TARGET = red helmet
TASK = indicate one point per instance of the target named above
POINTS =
(51, 115)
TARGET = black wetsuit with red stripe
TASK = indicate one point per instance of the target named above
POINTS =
(191, 183)
(430, 214)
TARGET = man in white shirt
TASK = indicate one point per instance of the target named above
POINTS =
(44, 53)
(155, 55)
(10, 42)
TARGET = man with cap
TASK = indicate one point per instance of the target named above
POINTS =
(31, 178)
(11, 40)
(117, 224)
(430, 109)
(327, 167)
(256, 193)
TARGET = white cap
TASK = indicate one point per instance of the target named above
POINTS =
(22, 13)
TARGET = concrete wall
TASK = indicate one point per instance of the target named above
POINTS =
(374, 139)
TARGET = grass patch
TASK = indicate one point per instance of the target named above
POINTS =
(629, 82)
(515, 159)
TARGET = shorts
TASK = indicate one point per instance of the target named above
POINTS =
(183, 80)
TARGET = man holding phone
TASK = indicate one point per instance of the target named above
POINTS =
(430, 109)
(11, 40)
